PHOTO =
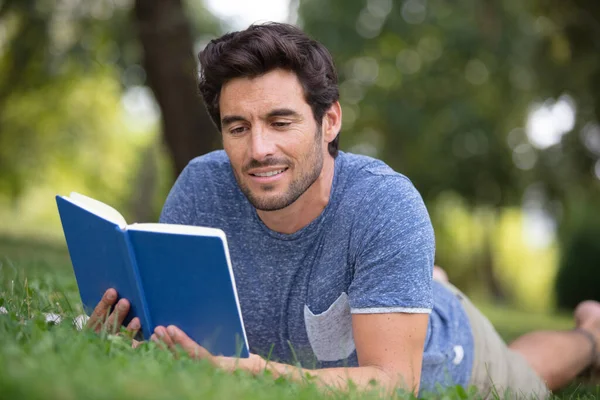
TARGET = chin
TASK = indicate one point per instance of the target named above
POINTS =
(269, 203)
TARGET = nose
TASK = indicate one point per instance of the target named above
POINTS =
(262, 144)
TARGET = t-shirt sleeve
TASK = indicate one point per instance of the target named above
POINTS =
(395, 251)
(180, 207)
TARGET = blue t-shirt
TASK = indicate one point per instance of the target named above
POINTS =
(371, 250)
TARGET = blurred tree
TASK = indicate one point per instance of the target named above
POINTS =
(579, 275)
(48, 47)
(44, 52)
(568, 59)
(431, 87)
(166, 38)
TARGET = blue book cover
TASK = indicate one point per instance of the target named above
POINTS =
(171, 274)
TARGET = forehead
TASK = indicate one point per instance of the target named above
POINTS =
(275, 89)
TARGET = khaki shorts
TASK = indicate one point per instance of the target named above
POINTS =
(496, 368)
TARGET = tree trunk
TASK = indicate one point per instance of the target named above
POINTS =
(144, 187)
(488, 270)
(171, 71)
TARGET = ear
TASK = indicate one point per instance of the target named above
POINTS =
(332, 122)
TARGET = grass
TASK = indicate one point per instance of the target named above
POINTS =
(40, 359)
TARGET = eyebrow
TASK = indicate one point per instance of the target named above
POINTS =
(278, 112)
(230, 119)
(282, 112)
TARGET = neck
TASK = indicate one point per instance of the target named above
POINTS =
(306, 208)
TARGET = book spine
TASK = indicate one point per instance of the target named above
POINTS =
(143, 314)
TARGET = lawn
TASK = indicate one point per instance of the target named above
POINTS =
(41, 359)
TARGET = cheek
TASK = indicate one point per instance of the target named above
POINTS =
(301, 141)
(235, 152)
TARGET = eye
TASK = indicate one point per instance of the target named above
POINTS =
(281, 124)
(238, 130)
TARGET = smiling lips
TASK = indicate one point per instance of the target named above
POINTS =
(268, 176)
(269, 173)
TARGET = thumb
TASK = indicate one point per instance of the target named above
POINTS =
(192, 348)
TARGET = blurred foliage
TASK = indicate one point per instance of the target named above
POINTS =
(430, 88)
(442, 90)
(57, 62)
(568, 61)
(578, 275)
(525, 271)
(67, 70)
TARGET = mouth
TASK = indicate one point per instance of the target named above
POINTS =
(269, 173)
(267, 176)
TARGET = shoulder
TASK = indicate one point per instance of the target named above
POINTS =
(207, 175)
(204, 174)
(384, 206)
(366, 164)
(208, 163)
(203, 187)
(376, 184)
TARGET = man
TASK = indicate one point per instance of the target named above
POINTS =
(332, 252)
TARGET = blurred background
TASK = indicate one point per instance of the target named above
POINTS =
(491, 107)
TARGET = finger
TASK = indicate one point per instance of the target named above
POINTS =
(102, 309)
(159, 343)
(117, 316)
(192, 348)
(135, 343)
(163, 336)
(155, 338)
(134, 327)
(228, 364)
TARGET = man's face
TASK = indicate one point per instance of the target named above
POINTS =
(274, 144)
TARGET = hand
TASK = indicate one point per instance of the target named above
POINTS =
(173, 336)
(102, 319)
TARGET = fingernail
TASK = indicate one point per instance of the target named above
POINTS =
(111, 295)
(159, 332)
(135, 324)
(171, 330)
(122, 305)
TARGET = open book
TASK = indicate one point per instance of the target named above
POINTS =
(171, 274)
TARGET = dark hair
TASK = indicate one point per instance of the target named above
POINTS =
(261, 49)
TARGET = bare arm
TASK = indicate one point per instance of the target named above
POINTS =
(389, 348)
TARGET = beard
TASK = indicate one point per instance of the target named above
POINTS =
(313, 164)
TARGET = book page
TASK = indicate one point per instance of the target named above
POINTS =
(97, 207)
(178, 229)
(237, 299)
